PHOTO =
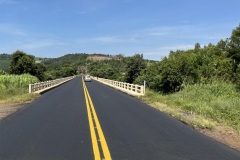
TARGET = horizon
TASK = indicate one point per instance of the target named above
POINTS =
(103, 55)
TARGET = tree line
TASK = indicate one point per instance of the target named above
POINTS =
(200, 65)
(47, 68)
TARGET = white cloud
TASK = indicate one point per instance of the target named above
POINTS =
(210, 36)
(213, 36)
(106, 39)
(138, 38)
(36, 44)
(159, 31)
(198, 32)
(10, 29)
(115, 39)
(177, 47)
(151, 53)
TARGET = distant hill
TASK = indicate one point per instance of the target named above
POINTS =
(76, 59)
(5, 56)
(5, 60)
(67, 57)
(72, 58)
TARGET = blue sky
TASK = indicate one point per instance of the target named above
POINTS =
(53, 28)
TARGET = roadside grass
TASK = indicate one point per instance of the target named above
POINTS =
(201, 105)
(14, 88)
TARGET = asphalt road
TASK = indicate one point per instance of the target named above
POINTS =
(57, 126)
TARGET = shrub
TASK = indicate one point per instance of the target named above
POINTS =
(2, 72)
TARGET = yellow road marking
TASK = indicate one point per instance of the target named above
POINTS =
(99, 129)
(100, 132)
(92, 130)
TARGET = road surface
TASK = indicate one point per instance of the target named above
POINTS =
(89, 121)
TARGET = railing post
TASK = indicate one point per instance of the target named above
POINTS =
(136, 88)
(30, 88)
(142, 89)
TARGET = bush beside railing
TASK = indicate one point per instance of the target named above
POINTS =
(131, 87)
(42, 85)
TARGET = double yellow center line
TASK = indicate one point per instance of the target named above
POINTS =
(92, 117)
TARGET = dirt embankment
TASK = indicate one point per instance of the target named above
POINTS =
(225, 135)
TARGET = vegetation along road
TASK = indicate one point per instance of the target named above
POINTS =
(89, 120)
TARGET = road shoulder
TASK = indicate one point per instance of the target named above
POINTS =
(7, 109)
(221, 132)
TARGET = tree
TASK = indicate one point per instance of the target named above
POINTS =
(22, 63)
(120, 56)
(134, 65)
(39, 71)
(197, 46)
(233, 47)
(210, 45)
(66, 64)
(238, 77)
(222, 45)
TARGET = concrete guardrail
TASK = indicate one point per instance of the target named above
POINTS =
(43, 86)
(132, 89)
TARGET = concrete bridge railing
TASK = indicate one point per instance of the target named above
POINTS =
(42, 86)
(133, 89)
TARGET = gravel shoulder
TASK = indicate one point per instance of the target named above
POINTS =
(8, 109)
(223, 134)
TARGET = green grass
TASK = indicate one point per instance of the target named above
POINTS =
(14, 88)
(219, 101)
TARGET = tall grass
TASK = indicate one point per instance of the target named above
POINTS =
(219, 101)
(18, 80)
(14, 88)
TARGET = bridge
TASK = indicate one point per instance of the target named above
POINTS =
(92, 120)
